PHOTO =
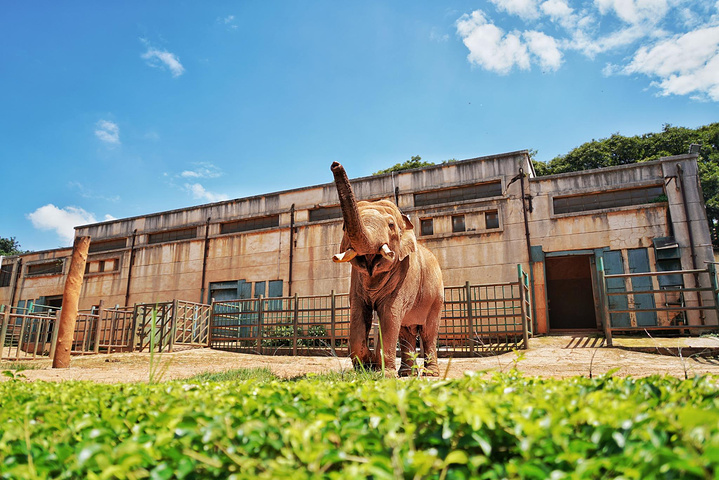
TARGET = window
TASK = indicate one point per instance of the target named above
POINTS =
(259, 289)
(426, 227)
(5, 275)
(53, 267)
(249, 224)
(274, 288)
(491, 219)
(100, 266)
(601, 200)
(325, 213)
(458, 223)
(172, 235)
(105, 245)
(483, 190)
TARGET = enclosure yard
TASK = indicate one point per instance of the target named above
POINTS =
(558, 357)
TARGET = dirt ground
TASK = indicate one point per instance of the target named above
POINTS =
(552, 356)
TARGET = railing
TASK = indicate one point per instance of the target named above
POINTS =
(477, 320)
(658, 308)
(176, 323)
(34, 335)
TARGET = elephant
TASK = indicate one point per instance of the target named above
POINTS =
(393, 275)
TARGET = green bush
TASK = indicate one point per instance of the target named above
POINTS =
(504, 427)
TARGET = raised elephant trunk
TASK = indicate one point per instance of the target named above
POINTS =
(353, 227)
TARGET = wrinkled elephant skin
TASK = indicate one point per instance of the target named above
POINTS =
(393, 275)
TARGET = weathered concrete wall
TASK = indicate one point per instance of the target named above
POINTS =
(164, 271)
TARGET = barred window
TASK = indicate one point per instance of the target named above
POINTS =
(325, 213)
(172, 235)
(426, 227)
(53, 267)
(250, 224)
(105, 245)
(613, 199)
(458, 223)
(491, 219)
(472, 192)
(5, 275)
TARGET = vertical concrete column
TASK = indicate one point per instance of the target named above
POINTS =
(70, 302)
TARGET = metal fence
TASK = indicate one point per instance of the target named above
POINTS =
(630, 306)
(477, 320)
(28, 335)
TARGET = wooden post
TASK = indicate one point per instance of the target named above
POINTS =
(606, 316)
(71, 300)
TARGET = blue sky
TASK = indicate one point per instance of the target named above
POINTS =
(116, 109)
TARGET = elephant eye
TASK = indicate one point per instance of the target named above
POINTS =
(391, 225)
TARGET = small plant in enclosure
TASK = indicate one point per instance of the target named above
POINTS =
(279, 336)
(319, 332)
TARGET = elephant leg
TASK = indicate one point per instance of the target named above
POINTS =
(389, 335)
(428, 332)
(360, 323)
(408, 348)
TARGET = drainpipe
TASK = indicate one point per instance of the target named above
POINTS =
(292, 247)
(204, 260)
(529, 248)
(692, 250)
(129, 267)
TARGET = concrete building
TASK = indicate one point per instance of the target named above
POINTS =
(481, 217)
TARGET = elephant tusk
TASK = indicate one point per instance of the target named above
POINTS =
(345, 256)
(387, 253)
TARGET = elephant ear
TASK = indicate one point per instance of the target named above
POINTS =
(408, 241)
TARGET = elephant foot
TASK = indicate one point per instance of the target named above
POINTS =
(406, 372)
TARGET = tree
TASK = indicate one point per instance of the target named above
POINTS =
(414, 162)
(9, 246)
(621, 150)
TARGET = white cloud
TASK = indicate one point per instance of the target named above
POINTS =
(199, 192)
(684, 64)
(108, 132)
(524, 9)
(492, 49)
(435, 36)
(162, 59)
(635, 11)
(62, 220)
(545, 48)
(203, 170)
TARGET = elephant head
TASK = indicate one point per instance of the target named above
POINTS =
(376, 234)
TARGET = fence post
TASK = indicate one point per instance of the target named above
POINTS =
(133, 330)
(470, 319)
(711, 268)
(522, 300)
(211, 321)
(260, 321)
(3, 331)
(606, 316)
(333, 318)
(55, 333)
(295, 320)
(100, 314)
(173, 324)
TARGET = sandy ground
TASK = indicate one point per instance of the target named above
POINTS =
(564, 356)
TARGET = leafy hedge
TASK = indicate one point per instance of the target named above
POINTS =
(507, 426)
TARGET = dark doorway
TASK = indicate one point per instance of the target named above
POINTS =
(569, 292)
